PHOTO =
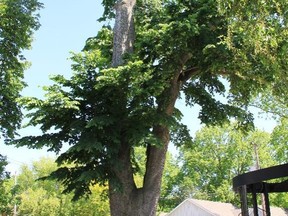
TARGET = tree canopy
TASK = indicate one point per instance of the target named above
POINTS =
(18, 21)
(217, 155)
(177, 48)
(4, 175)
(44, 197)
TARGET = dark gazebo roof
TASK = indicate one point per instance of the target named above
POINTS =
(253, 182)
(258, 176)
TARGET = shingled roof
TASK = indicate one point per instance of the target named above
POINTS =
(191, 207)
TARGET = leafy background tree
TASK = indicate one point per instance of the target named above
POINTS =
(280, 141)
(4, 176)
(168, 196)
(221, 153)
(217, 155)
(18, 21)
(45, 197)
(277, 107)
(105, 112)
(38, 197)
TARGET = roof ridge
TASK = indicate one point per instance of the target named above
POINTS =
(202, 207)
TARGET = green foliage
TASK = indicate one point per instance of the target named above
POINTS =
(279, 141)
(7, 198)
(168, 197)
(96, 99)
(277, 106)
(18, 20)
(44, 197)
(4, 176)
(264, 43)
(189, 47)
(216, 155)
(193, 30)
(3, 164)
(108, 9)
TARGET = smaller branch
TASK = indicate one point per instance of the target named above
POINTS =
(223, 73)
(270, 111)
(188, 73)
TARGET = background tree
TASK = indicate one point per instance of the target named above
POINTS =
(274, 105)
(280, 141)
(3, 173)
(38, 197)
(125, 84)
(4, 176)
(169, 198)
(217, 155)
(18, 21)
(277, 107)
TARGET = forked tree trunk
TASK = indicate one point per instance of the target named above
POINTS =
(133, 201)
(130, 200)
(123, 202)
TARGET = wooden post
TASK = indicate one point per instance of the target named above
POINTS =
(257, 168)
(243, 198)
(254, 200)
(267, 203)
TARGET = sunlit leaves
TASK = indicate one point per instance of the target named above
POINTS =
(4, 199)
(44, 197)
(280, 141)
(100, 109)
(257, 34)
(18, 21)
(3, 164)
(216, 155)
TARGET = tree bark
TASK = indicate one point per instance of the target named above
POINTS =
(124, 33)
(123, 196)
(133, 201)
(128, 200)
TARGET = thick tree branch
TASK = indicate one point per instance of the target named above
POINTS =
(188, 73)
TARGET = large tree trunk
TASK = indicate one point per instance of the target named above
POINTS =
(124, 32)
(122, 196)
(133, 201)
(128, 200)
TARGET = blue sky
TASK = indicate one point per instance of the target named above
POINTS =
(66, 24)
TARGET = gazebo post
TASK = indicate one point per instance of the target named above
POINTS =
(243, 198)
(248, 182)
(267, 202)
(254, 200)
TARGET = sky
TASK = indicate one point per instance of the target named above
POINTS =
(65, 25)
